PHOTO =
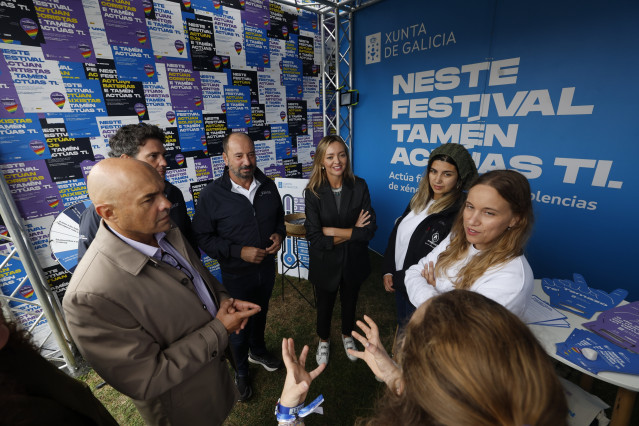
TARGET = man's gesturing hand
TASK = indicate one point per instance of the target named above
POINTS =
(235, 313)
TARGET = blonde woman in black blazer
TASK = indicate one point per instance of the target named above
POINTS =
(339, 224)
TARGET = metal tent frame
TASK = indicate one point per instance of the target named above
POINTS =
(336, 75)
(46, 306)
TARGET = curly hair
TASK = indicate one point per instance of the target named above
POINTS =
(128, 139)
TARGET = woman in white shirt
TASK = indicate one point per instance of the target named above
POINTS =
(484, 251)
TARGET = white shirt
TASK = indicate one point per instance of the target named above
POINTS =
(248, 193)
(405, 231)
(509, 284)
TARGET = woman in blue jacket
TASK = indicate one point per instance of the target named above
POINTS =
(339, 224)
(427, 219)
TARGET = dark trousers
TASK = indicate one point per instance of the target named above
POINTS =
(405, 309)
(348, 293)
(255, 287)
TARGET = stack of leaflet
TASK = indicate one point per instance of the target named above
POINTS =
(541, 313)
(608, 357)
(619, 325)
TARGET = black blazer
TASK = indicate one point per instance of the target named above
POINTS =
(330, 263)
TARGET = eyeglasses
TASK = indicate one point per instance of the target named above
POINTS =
(171, 260)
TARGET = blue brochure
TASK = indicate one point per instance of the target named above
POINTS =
(576, 297)
(610, 357)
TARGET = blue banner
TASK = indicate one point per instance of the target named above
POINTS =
(522, 86)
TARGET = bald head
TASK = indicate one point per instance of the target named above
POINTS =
(112, 177)
(128, 195)
(236, 136)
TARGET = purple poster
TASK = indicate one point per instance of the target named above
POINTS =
(185, 87)
(65, 30)
(10, 107)
(274, 171)
(256, 14)
(203, 169)
(32, 189)
(125, 24)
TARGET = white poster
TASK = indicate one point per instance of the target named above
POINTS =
(272, 95)
(158, 99)
(38, 81)
(294, 254)
(213, 90)
(167, 30)
(229, 36)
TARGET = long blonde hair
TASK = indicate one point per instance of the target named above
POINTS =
(515, 189)
(469, 361)
(318, 174)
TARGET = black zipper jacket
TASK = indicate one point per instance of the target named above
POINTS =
(225, 221)
(428, 234)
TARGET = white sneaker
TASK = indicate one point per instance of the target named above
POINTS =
(349, 343)
(323, 350)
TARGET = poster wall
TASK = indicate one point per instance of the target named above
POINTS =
(535, 87)
(72, 72)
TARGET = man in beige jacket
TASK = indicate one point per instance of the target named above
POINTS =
(144, 311)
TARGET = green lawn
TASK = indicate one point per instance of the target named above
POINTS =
(349, 389)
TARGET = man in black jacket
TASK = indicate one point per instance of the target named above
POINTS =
(239, 220)
(145, 143)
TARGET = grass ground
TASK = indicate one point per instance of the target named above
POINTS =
(349, 389)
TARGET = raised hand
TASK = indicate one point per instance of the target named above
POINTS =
(375, 355)
(298, 380)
